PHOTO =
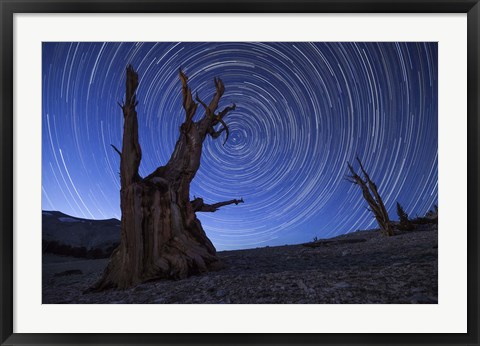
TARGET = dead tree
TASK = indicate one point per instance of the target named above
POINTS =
(161, 237)
(371, 195)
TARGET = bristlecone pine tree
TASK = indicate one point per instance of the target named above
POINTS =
(161, 236)
(371, 195)
(404, 222)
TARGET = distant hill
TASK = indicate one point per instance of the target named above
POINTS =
(72, 236)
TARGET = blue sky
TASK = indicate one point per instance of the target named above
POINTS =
(303, 110)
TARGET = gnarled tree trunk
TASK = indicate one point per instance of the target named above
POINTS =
(371, 195)
(161, 236)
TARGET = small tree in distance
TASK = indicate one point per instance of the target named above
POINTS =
(404, 222)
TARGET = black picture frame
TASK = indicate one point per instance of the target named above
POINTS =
(9, 7)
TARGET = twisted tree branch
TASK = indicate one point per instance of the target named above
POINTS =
(199, 205)
(188, 104)
(374, 201)
(116, 149)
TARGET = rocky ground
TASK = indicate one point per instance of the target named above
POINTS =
(360, 268)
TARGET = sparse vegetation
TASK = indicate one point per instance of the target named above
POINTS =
(404, 221)
(432, 214)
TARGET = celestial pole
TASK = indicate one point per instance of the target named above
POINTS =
(303, 110)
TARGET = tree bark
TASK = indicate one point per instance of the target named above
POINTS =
(371, 195)
(161, 237)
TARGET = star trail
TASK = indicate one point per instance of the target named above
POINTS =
(303, 111)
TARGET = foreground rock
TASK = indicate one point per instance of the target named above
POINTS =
(359, 268)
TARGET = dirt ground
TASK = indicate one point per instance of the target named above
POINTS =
(360, 268)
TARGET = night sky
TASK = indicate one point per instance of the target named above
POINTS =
(303, 111)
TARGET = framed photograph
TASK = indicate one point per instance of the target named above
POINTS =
(239, 172)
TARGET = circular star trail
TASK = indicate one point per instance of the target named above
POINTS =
(303, 111)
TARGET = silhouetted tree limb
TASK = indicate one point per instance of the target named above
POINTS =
(199, 205)
(188, 104)
(116, 149)
(371, 195)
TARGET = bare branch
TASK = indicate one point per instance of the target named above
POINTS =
(131, 151)
(199, 205)
(365, 174)
(354, 178)
(116, 149)
(207, 123)
(132, 84)
(373, 187)
(371, 195)
(225, 127)
(207, 110)
(188, 104)
(220, 89)
(350, 179)
(225, 111)
(216, 134)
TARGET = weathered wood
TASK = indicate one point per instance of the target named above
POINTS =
(371, 195)
(199, 205)
(161, 237)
